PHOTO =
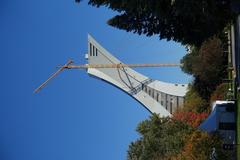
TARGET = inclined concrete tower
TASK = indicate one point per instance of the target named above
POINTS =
(156, 96)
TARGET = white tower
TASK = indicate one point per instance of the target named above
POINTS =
(156, 96)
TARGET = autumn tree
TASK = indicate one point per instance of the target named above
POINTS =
(194, 102)
(200, 145)
(220, 93)
(191, 118)
(174, 139)
(208, 65)
(185, 21)
(160, 138)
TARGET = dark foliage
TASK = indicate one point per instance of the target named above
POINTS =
(208, 65)
(185, 21)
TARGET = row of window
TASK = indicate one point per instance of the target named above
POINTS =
(181, 85)
(93, 50)
(163, 98)
(227, 126)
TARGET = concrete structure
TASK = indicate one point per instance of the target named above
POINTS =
(156, 96)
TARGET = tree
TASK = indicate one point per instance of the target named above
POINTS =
(173, 139)
(160, 138)
(211, 62)
(188, 22)
(189, 60)
(220, 93)
(194, 102)
(190, 118)
(135, 150)
(208, 65)
(200, 147)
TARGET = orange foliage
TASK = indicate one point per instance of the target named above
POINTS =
(199, 146)
(220, 92)
(191, 118)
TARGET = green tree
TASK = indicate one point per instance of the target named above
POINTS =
(135, 150)
(194, 102)
(185, 21)
(160, 139)
(189, 59)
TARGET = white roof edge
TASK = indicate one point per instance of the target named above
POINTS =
(220, 102)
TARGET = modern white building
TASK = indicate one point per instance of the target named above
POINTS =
(156, 96)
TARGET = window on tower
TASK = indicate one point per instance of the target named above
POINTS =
(93, 49)
(96, 52)
(90, 47)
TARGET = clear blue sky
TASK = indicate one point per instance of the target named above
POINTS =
(75, 117)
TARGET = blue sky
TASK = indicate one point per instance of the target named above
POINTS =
(75, 116)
